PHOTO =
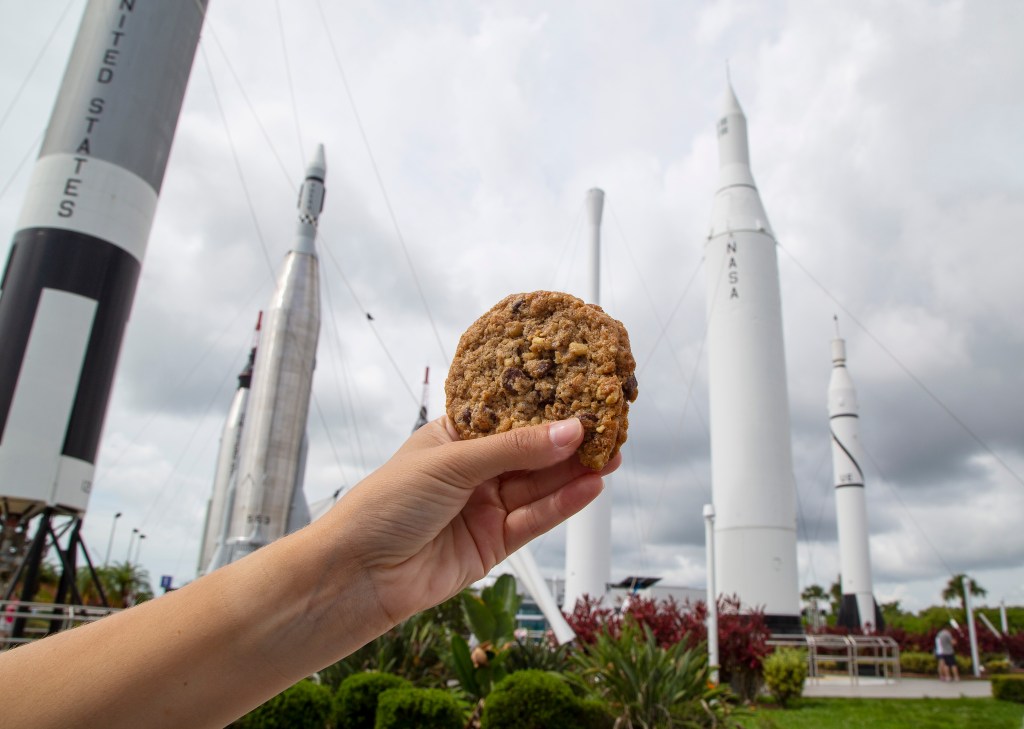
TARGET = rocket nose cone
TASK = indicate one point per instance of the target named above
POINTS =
(730, 104)
(318, 165)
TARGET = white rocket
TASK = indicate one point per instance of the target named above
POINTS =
(857, 609)
(588, 534)
(268, 500)
(753, 488)
(78, 248)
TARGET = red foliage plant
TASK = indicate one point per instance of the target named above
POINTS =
(987, 641)
(742, 635)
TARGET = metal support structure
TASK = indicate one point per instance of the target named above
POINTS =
(712, 598)
(972, 632)
(28, 571)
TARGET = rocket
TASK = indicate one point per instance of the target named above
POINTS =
(77, 252)
(268, 499)
(858, 609)
(588, 534)
(754, 493)
(421, 418)
(221, 503)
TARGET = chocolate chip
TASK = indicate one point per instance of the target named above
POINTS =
(537, 368)
(510, 381)
(629, 388)
(464, 416)
(589, 420)
(518, 305)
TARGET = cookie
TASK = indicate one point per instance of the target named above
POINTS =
(541, 357)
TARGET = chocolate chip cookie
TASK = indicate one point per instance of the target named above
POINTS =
(541, 357)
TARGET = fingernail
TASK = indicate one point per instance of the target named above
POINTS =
(564, 432)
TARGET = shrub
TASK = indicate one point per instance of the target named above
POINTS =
(997, 666)
(594, 714)
(914, 662)
(356, 701)
(530, 700)
(785, 671)
(539, 655)
(742, 634)
(742, 642)
(421, 708)
(1008, 688)
(964, 665)
(646, 685)
(305, 704)
(492, 618)
(413, 649)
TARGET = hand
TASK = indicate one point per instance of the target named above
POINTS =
(442, 512)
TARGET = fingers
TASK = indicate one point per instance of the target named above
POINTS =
(468, 463)
(538, 517)
(524, 488)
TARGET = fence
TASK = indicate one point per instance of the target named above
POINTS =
(849, 654)
(38, 619)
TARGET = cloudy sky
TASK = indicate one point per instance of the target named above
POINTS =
(461, 139)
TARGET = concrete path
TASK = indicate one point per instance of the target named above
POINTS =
(906, 688)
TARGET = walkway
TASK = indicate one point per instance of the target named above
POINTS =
(906, 688)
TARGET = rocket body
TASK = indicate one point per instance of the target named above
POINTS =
(268, 497)
(222, 499)
(754, 493)
(588, 533)
(857, 609)
(70, 280)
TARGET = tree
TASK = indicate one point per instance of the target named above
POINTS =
(815, 597)
(891, 612)
(813, 592)
(835, 593)
(955, 590)
(125, 584)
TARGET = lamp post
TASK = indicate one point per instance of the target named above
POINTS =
(131, 543)
(138, 548)
(113, 526)
(712, 598)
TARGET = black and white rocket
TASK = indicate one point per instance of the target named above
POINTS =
(266, 494)
(78, 248)
(753, 489)
(858, 609)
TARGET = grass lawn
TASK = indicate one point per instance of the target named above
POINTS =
(889, 713)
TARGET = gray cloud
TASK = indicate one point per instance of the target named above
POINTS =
(883, 141)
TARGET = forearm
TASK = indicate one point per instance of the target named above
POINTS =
(203, 655)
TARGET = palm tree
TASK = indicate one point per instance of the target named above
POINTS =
(125, 584)
(955, 590)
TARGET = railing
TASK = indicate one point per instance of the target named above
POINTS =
(39, 619)
(851, 652)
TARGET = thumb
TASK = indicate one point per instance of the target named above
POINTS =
(470, 462)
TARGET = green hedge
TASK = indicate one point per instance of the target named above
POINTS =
(911, 662)
(305, 704)
(356, 701)
(594, 714)
(531, 699)
(996, 666)
(1008, 688)
(421, 708)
